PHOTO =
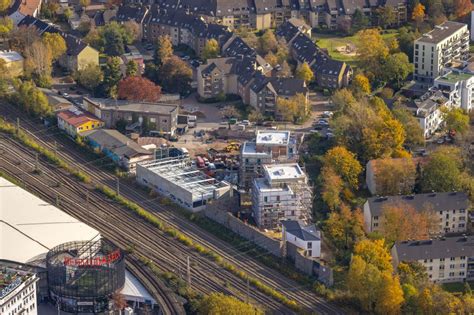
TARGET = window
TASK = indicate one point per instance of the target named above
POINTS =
(441, 259)
(152, 120)
(310, 253)
(441, 267)
(451, 274)
(265, 199)
(453, 258)
(451, 266)
(310, 245)
(278, 198)
(376, 217)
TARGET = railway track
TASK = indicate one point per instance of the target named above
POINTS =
(118, 225)
(68, 151)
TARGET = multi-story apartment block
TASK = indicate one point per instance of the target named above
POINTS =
(269, 147)
(283, 193)
(158, 117)
(458, 88)
(17, 292)
(447, 259)
(436, 49)
(449, 208)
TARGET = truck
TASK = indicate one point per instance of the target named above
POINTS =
(192, 121)
(200, 162)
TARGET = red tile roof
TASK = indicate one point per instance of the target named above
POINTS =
(76, 118)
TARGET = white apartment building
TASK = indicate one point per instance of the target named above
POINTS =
(17, 292)
(283, 193)
(458, 87)
(447, 259)
(427, 109)
(307, 238)
(270, 146)
(434, 50)
(449, 208)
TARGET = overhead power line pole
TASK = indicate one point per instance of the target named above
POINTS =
(188, 272)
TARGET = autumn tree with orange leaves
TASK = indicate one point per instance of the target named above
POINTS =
(462, 7)
(418, 13)
(138, 89)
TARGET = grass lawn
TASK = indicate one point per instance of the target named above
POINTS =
(456, 287)
(331, 42)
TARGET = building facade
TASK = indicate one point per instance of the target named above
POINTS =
(283, 193)
(269, 147)
(449, 209)
(307, 238)
(17, 292)
(75, 122)
(458, 87)
(433, 51)
(446, 259)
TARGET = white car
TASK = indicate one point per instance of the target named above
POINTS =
(327, 114)
(329, 135)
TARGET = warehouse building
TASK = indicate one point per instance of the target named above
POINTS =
(283, 193)
(178, 180)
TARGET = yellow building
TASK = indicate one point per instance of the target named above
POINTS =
(78, 54)
(75, 122)
(14, 62)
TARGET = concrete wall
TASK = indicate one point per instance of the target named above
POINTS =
(246, 231)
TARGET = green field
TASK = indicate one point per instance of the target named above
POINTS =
(331, 42)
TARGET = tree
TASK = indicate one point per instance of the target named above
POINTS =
(372, 49)
(359, 20)
(256, 116)
(462, 7)
(406, 37)
(343, 98)
(112, 75)
(456, 119)
(267, 42)
(90, 77)
(418, 13)
(394, 176)
(84, 3)
(119, 301)
(138, 89)
(131, 31)
(229, 112)
(361, 84)
(210, 50)
(38, 59)
(4, 5)
(345, 164)
(271, 59)
(164, 50)
(132, 69)
(401, 221)
(293, 109)
(442, 172)
(332, 187)
(248, 36)
(345, 227)
(68, 13)
(376, 253)
(55, 43)
(285, 71)
(397, 68)
(390, 297)
(113, 39)
(304, 72)
(176, 75)
(22, 38)
(6, 26)
(218, 303)
(386, 16)
(413, 131)
(282, 52)
(32, 100)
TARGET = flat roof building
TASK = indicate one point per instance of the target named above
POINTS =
(178, 180)
(17, 292)
(283, 193)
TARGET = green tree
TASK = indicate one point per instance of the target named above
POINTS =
(395, 176)
(256, 116)
(112, 75)
(443, 170)
(372, 50)
(175, 75)
(164, 50)
(456, 119)
(218, 303)
(6, 26)
(342, 99)
(406, 37)
(210, 50)
(90, 77)
(68, 13)
(386, 16)
(248, 36)
(397, 68)
(359, 20)
(304, 72)
(413, 131)
(293, 109)
(32, 100)
(132, 69)
(113, 38)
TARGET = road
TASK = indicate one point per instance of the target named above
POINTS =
(211, 277)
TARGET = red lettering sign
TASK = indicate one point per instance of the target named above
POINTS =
(90, 262)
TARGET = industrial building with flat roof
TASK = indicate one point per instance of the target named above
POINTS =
(178, 180)
(283, 193)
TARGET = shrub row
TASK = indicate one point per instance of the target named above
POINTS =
(148, 216)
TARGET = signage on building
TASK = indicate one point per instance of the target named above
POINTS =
(91, 262)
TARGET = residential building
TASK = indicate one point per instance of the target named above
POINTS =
(30, 7)
(14, 62)
(17, 292)
(451, 209)
(307, 238)
(138, 116)
(135, 56)
(446, 259)
(427, 109)
(283, 193)
(270, 146)
(133, 12)
(74, 122)
(183, 184)
(458, 88)
(217, 78)
(122, 150)
(434, 50)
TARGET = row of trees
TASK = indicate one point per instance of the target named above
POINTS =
(112, 37)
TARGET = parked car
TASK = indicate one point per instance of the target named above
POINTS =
(329, 135)
(440, 141)
(327, 114)
(245, 122)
